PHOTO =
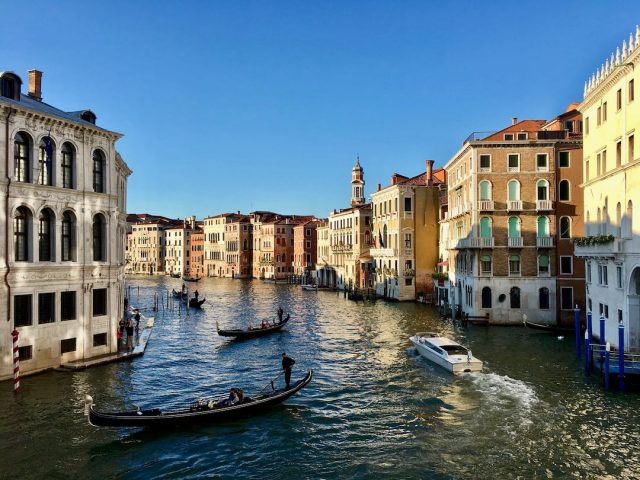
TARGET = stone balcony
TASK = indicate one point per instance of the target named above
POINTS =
(602, 250)
(515, 242)
(514, 205)
(342, 248)
(544, 242)
(475, 242)
(484, 205)
(383, 252)
(544, 205)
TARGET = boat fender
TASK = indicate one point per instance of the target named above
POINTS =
(468, 356)
(88, 401)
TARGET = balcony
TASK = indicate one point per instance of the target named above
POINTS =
(515, 242)
(485, 205)
(409, 272)
(602, 248)
(458, 210)
(408, 252)
(407, 215)
(383, 252)
(481, 242)
(342, 247)
(542, 205)
(514, 205)
(544, 242)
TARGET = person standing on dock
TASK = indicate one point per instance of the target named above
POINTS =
(287, 365)
(137, 317)
(129, 334)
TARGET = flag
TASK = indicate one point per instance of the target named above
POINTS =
(380, 239)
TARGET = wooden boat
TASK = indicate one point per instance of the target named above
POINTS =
(194, 303)
(309, 287)
(548, 328)
(191, 279)
(198, 413)
(252, 332)
(445, 353)
(175, 275)
(178, 294)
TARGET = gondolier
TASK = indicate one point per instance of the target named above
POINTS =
(287, 365)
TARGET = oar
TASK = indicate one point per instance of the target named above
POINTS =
(271, 383)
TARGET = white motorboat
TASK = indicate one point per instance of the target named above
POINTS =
(446, 353)
(308, 287)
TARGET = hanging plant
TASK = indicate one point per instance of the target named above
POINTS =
(594, 240)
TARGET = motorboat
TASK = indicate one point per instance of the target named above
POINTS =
(309, 287)
(445, 353)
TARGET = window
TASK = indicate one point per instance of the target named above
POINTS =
(25, 353)
(522, 135)
(543, 298)
(407, 204)
(586, 126)
(513, 160)
(68, 157)
(514, 294)
(407, 240)
(21, 235)
(485, 264)
(9, 87)
(588, 272)
(563, 159)
(46, 308)
(599, 116)
(564, 191)
(45, 161)
(603, 165)
(485, 163)
(566, 298)
(98, 172)
(513, 190)
(566, 265)
(21, 156)
(631, 154)
(45, 239)
(542, 189)
(619, 99)
(514, 265)
(543, 265)
(631, 93)
(67, 345)
(68, 306)
(508, 136)
(565, 228)
(486, 297)
(514, 227)
(542, 162)
(602, 275)
(99, 339)
(543, 226)
(604, 112)
(67, 244)
(586, 170)
(618, 276)
(408, 281)
(485, 227)
(99, 302)
(485, 190)
(98, 238)
(22, 310)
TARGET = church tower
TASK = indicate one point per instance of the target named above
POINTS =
(357, 184)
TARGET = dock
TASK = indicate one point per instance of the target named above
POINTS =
(141, 341)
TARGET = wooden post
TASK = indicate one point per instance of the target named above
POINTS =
(607, 354)
(621, 358)
(16, 361)
(587, 346)
(576, 316)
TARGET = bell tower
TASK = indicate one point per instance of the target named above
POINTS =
(357, 184)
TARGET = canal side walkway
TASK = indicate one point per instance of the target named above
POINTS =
(141, 339)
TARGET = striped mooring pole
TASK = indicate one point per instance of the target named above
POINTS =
(16, 362)
(576, 316)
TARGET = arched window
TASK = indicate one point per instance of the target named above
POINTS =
(543, 298)
(485, 264)
(98, 172)
(485, 227)
(515, 297)
(99, 244)
(21, 223)
(513, 190)
(46, 151)
(565, 228)
(564, 191)
(514, 227)
(45, 237)
(486, 297)
(543, 265)
(67, 240)
(485, 190)
(21, 157)
(543, 226)
(514, 265)
(542, 188)
(67, 164)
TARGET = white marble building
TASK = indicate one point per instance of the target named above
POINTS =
(63, 217)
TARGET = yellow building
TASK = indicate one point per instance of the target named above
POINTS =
(405, 234)
(611, 247)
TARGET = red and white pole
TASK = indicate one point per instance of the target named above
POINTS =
(16, 362)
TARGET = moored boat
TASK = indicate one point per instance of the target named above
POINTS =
(195, 303)
(445, 353)
(309, 287)
(548, 328)
(252, 331)
(190, 279)
(200, 412)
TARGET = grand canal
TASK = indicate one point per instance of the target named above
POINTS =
(374, 409)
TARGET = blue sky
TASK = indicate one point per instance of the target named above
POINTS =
(264, 105)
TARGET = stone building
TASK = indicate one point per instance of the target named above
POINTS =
(611, 185)
(62, 253)
(146, 243)
(227, 245)
(502, 223)
(196, 254)
(178, 247)
(324, 274)
(405, 234)
(305, 248)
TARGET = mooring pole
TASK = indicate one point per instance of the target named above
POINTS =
(607, 354)
(586, 353)
(601, 339)
(576, 316)
(621, 358)
(589, 332)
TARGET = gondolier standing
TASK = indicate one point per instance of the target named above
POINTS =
(287, 364)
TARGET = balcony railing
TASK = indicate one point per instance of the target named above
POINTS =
(409, 272)
(474, 136)
(544, 242)
(481, 242)
(609, 249)
(383, 252)
(485, 205)
(342, 247)
(515, 242)
(514, 205)
(544, 205)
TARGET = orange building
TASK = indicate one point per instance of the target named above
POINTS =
(195, 263)
(305, 244)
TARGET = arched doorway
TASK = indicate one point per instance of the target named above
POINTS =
(633, 306)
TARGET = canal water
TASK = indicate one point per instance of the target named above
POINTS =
(373, 410)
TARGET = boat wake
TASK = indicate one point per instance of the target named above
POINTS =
(503, 391)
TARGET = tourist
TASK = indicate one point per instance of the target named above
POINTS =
(129, 335)
(196, 295)
(122, 324)
(287, 364)
(137, 318)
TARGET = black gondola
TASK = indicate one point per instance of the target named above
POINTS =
(195, 303)
(198, 413)
(252, 332)
(548, 328)
(191, 279)
(175, 275)
(179, 294)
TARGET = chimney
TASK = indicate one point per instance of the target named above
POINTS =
(394, 179)
(35, 84)
(430, 172)
(379, 187)
(514, 120)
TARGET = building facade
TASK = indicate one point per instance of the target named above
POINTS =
(178, 247)
(196, 254)
(611, 246)
(64, 216)
(305, 248)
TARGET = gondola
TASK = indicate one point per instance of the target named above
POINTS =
(198, 413)
(191, 279)
(175, 275)
(548, 328)
(178, 294)
(194, 303)
(252, 332)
